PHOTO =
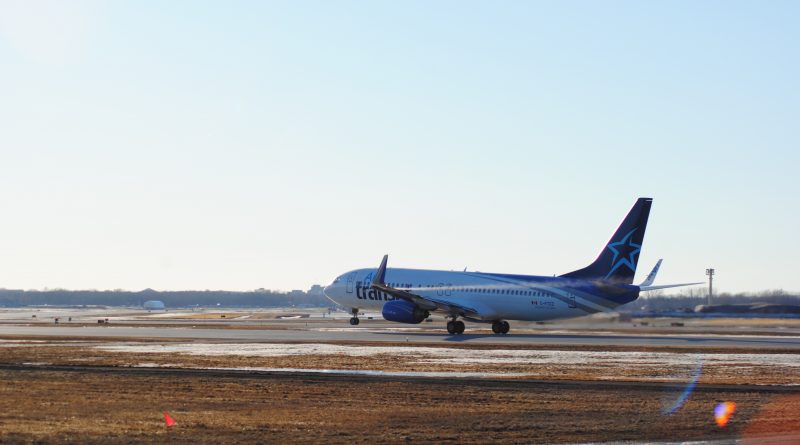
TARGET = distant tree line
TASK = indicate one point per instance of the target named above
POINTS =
(690, 298)
(256, 298)
(649, 301)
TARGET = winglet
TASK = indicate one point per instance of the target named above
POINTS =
(652, 276)
(380, 275)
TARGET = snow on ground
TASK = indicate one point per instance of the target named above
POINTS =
(165, 314)
(13, 342)
(481, 375)
(464, 356)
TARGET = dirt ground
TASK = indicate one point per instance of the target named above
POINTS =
(74, 391)
(125, 406)
(648, 368)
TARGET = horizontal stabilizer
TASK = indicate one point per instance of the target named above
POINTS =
(667, 286)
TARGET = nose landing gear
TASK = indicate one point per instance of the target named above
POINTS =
(354, 321)
(500, 327)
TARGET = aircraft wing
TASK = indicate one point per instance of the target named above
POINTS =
(427, 303)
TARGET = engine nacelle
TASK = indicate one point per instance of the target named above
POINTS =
(403, 311)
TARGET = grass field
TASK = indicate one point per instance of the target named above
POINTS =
(125, 406)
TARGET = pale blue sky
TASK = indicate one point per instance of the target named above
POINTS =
(237, 145)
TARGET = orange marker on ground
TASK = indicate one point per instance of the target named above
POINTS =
(169, 420)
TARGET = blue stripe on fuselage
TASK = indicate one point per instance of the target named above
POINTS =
(616, 294)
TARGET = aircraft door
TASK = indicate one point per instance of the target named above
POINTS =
(571, 302)
(350, 280)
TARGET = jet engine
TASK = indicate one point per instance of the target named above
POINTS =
(403, 311)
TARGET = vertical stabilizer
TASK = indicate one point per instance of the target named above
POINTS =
(617, 261)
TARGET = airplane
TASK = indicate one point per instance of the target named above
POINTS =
(410, 295)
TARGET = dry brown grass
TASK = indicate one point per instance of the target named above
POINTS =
(120, 405)
(124, 407)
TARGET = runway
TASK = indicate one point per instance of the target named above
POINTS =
(393, 335)
(254, 374)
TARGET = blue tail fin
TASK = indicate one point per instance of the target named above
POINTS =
(617, 261)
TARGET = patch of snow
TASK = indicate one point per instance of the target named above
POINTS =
(455, 356)
(363, 372)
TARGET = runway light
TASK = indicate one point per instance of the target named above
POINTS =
(723, 413)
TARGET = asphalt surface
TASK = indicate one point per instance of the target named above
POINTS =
(390, 335)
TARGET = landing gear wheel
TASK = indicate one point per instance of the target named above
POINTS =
(354, 321)
(497, 327)
(455, 327)
(505, 327)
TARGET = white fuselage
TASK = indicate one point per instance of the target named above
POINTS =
(493, 296)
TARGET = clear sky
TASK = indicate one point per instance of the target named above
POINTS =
(237, 145)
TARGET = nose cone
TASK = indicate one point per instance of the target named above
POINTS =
(330, 292)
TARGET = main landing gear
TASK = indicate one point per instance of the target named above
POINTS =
(500, 327)
(354, 321)
(455, 327)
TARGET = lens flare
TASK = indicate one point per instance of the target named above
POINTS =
(687, 391)
(723, 413)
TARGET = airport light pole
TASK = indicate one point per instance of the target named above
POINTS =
(710, 273)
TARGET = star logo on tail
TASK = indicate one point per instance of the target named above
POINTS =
(625, 252)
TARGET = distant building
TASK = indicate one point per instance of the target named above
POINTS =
(748, 309)
(316, 290)
(154, 305)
